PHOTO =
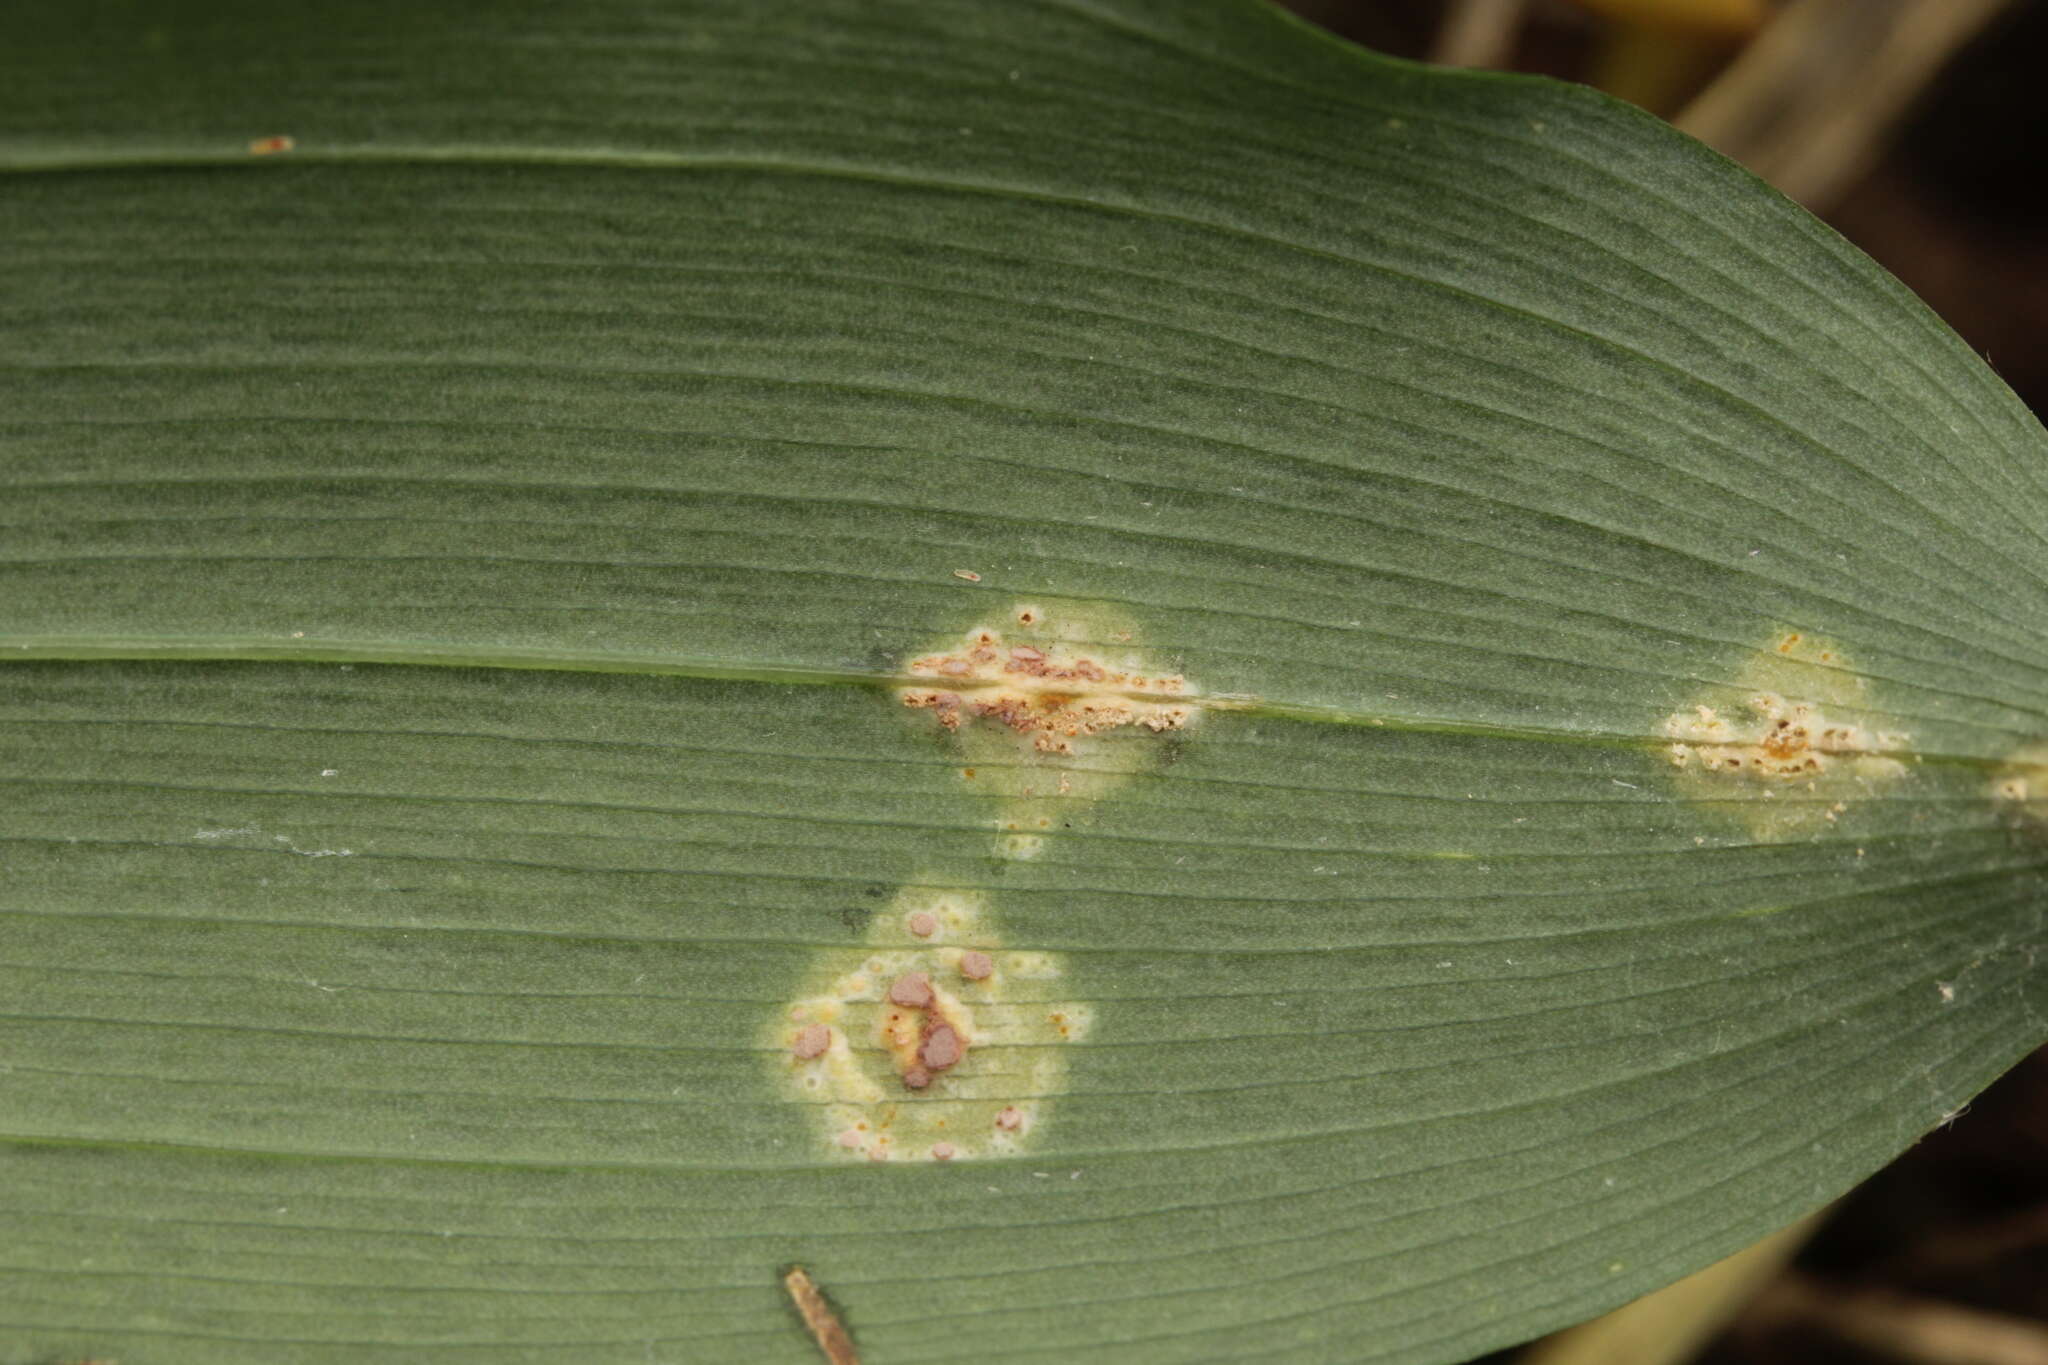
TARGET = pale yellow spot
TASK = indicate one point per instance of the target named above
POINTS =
(2020, 788)
(1020, 846)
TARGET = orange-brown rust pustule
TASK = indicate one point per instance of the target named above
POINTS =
(1045, 694)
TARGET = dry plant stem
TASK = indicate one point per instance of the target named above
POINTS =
(1905, 1328)
(1478, 33)
(1670, 1325)
(1809, 104)
(1972, 1246)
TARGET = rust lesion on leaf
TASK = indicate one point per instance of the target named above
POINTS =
(1794, 746)
(1027, 680)
(1050, 711)
(1776, 739)
(931, 1041)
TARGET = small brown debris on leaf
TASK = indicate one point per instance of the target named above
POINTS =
(941, 1049)
(912, 990)
(820, 1318)
(977, 966)
(812, 1042)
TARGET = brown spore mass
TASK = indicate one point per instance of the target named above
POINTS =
(912, 990)
(812, 1042)
(941, 1048)
(976, 966)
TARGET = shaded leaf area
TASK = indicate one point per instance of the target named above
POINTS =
(344, 1005)
(657, 371)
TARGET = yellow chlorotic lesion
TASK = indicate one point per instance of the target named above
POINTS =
(1795, 741)
(930, 1041)
(933, 1040)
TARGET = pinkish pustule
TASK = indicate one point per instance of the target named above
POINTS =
(941, 1049)
(912, 990)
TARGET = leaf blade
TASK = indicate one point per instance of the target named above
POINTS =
(667, 401)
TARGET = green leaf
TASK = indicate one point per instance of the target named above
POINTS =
(482, 482)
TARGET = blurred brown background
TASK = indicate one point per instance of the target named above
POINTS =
(1919, 129)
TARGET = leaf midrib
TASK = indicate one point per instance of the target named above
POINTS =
(70, 649)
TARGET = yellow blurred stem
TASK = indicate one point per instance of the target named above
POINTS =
(1671, 1325)
(1728, 20)
(1659, 53)
(1655, 67)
